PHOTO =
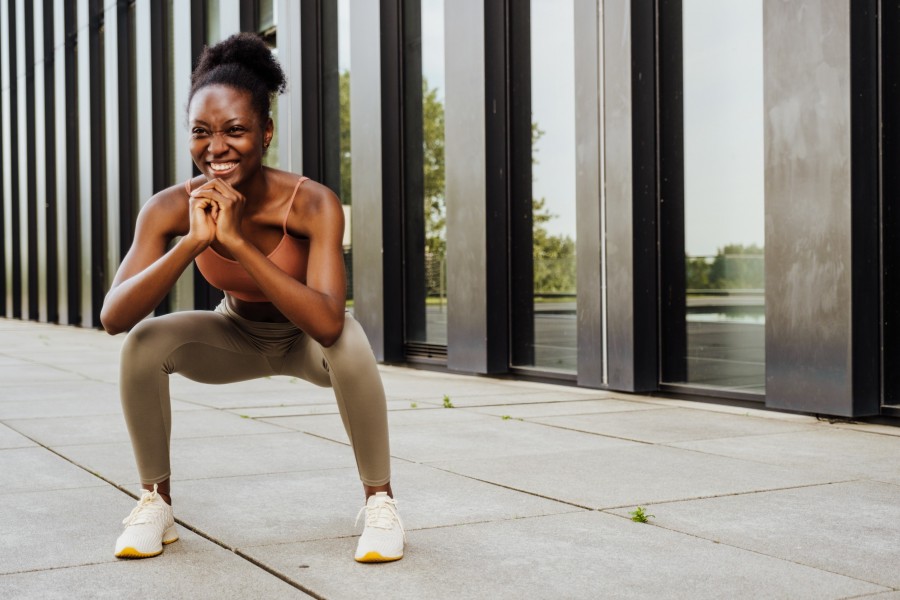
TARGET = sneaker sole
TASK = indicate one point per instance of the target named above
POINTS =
(131, 552)
(375, 557)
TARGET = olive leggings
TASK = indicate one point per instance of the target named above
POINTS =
(221, 347)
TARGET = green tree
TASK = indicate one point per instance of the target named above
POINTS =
(734, 266)
(434, 179)
(554, 255)
(345, 193)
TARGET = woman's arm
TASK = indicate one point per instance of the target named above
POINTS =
(148, 271)
(317, 307)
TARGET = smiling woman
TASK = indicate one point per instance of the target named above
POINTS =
(272, 241)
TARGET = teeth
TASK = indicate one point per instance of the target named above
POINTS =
(221, 166)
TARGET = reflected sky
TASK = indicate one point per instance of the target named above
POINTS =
(723, 124)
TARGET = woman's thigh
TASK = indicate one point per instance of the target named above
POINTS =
(200, 345)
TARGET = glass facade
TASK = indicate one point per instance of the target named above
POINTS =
(616, 194)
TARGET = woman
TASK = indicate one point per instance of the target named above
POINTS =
(273, 242)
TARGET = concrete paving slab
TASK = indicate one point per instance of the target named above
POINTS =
(290, 507)
(565, 407)
(35, 469)
(65, 528)
(849, 528)
(586, 555)
(518, 397)
(848, 454)
(672, 425)
(226, 456)
(631, 475)
(42, 390)
(25, 374)
(262, 393)
(104, 429)
(426, 435)
(10, 439)
(711, 406)
(216, 574)
(327, 408)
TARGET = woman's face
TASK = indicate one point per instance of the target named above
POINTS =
(227, 138)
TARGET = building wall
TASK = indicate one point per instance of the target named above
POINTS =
(93, 98)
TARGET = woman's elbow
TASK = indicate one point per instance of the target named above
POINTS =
(329, 336)
(110, 324)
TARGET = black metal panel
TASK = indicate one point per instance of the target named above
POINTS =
(73, 173)
(497, 25)
(890, 199)
(864, 189)
(412, 167)
(392, 90)
(14, 183)
(521, 213)
(29, 206)
(672, 301)
(52, 268)
(644, 196)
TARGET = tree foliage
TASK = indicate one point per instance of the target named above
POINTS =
(554, 255)
(734, 266)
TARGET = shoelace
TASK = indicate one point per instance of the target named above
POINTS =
(382, 515)
(145, 512)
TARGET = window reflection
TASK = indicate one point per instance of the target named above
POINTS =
(344, 191)
(723, 194)
(426, 249)
(552, 332)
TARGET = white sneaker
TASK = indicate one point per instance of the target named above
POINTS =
(150, 525)
(383, 538)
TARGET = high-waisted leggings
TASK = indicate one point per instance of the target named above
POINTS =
(222, 347)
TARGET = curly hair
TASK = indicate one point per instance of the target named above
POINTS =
(243, 61)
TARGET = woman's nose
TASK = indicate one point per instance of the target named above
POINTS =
(217, 144)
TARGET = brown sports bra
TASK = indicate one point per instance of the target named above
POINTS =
(290, 255)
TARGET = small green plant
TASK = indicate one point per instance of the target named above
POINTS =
(413, 405)
(447, 403)
(506, 417)
(639, 516)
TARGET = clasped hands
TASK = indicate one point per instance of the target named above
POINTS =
(216, 210)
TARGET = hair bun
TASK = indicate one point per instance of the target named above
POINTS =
(246, 50)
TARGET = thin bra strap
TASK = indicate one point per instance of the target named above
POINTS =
(291, 204)
(187, 186)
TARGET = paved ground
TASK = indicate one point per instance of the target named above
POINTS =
(521, 490)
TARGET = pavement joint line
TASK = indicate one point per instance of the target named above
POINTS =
(47, 569)
(62, 370)
(508, 487)
(729, 495)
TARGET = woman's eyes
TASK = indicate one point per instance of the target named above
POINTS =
(236, 130)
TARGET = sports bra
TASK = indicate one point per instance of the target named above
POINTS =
(290, 255)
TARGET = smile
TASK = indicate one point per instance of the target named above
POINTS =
(222, 167)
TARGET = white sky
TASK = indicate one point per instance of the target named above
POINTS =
(723, 124)
(723, 113)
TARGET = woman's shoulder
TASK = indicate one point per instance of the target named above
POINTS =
(307, 194)
(168, 208)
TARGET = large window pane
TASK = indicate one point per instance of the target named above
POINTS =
(426, 248)
(551, 340)
(343, 191)
(723, 194)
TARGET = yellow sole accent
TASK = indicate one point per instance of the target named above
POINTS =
(375, 557)
(130, 552)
